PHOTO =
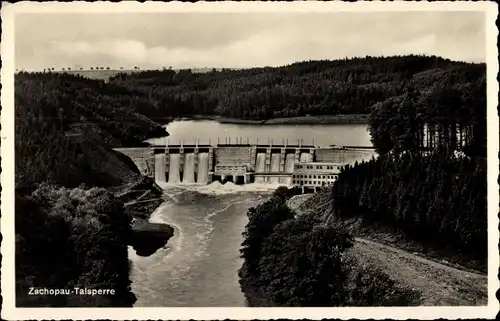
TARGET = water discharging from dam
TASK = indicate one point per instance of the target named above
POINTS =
(160, 167)
(189, 169)
(203, 168)
(275, 167)
(289, 166)
(173, 175)
(260, 166)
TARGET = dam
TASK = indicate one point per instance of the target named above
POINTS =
(298, 164)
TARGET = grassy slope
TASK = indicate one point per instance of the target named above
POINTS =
(439, 282)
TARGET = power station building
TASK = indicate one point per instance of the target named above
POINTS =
(314, 174)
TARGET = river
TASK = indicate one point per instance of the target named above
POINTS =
(199, 265)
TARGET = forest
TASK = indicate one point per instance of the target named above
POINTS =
(61, 102)
(346, 86)
(298, 261)
(68, 238)
(437, 200)
(65, 126)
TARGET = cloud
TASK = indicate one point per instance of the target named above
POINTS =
(128, 50)
(241, 40)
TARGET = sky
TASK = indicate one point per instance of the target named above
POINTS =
(240, 40)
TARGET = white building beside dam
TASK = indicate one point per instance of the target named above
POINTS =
(314, 174)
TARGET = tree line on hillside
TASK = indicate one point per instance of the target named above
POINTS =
(430, 178)
(451, 112)
(299, 261)
(437, 199)
(59, 101)
(45, 154)
(67, 238)
(348, 86)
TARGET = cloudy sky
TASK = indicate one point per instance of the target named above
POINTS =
(239, 40)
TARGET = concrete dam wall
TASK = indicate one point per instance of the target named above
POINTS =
(244, 164)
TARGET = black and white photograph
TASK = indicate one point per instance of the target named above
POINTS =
(240, 156)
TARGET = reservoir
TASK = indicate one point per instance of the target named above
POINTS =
(199, 265)
(323, 135)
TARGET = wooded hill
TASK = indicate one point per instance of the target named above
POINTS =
(430, 179)
(65, 126)
(347, 86)
(61, 101)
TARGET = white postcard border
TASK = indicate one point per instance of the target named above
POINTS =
(9, 311)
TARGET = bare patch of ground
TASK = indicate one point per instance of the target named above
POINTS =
(295, 202)
(439, 284)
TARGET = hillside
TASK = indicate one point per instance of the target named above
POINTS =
(66, 100)
(65, 128)
(45, 154)
(416, 269)
(348, 86)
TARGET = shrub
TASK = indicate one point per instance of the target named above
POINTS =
(262, 220)
(303, 262)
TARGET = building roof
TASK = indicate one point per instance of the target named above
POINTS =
(320, 163)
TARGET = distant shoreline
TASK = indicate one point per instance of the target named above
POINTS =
(355, 119)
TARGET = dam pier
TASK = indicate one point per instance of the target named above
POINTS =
(298, 164)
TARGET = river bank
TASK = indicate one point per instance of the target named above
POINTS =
(141, 199)
(139, 194)
(354, 119)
